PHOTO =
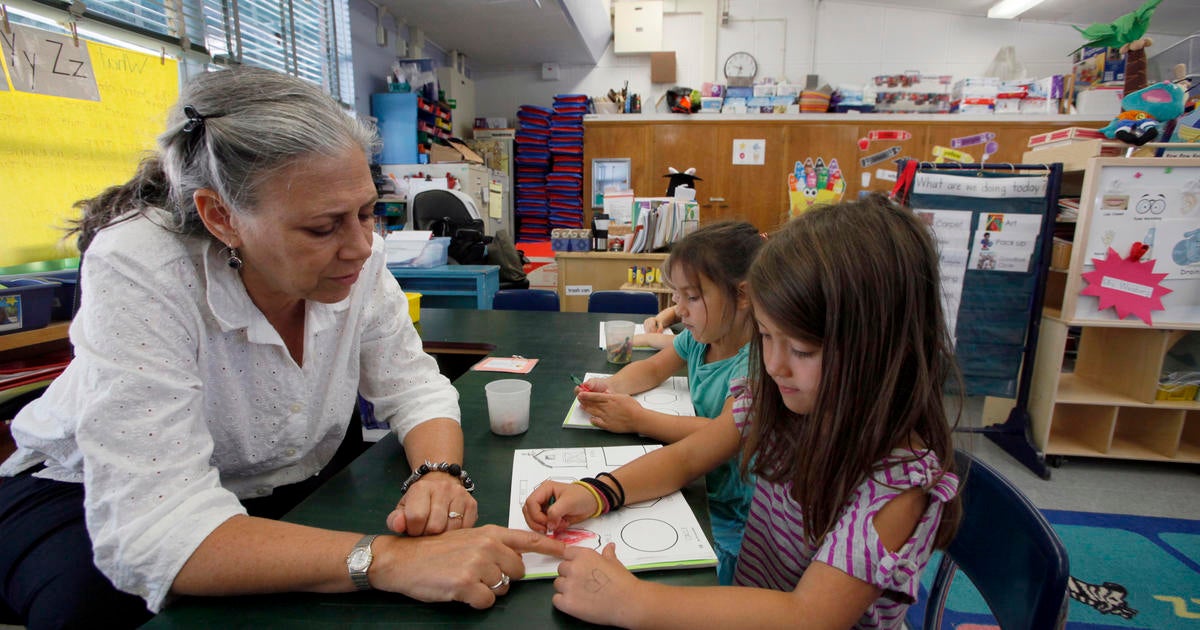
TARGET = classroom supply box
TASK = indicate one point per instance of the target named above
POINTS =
(432, 253)
(25, 303)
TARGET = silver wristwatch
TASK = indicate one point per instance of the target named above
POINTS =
(359, 560)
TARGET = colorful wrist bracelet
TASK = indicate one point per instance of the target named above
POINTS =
(618, 487)
(599, 500)
(454, 470)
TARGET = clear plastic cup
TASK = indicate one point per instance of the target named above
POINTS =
(508, 405)
(618, 341)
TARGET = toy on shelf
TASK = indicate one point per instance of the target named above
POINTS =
(1127, 34)
(1145, 111)
(687, 179)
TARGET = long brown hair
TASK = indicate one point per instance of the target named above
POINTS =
(722, 252)
(861, 280)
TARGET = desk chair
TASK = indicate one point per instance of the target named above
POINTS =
(636, 302)
(1009, 552)
(526, 300)
(436, 204)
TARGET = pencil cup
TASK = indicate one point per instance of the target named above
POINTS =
(508, 405)
(618, 341)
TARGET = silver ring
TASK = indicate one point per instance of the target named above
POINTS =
(504, 580)
(454, 514)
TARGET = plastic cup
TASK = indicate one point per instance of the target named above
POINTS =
(618, 341)
(508, 405)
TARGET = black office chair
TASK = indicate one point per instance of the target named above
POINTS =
(525, 300)
(636, 302)
(1009, 552)
(452, 213)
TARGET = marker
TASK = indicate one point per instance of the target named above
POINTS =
(579, 382)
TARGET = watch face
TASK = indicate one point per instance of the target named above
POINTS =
(359, 559)
(741, 65)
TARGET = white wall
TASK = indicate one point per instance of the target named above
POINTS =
(854, 41)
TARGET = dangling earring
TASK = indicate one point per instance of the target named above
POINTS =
(234, 261)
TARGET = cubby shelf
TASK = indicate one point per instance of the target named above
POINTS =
(1106, 407)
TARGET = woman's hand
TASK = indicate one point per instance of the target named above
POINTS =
(593, 385)
(594, 587)
(611, 412)
(469, 565)
(435, 503)
(554, 505)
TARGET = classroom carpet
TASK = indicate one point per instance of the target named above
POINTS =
(1126, 572)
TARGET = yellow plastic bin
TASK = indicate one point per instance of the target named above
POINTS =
(414, 306)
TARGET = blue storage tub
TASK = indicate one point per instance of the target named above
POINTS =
(25, 303)
(66, 296)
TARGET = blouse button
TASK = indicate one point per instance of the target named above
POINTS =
(296, 407)
(290, 452)
(263, 491)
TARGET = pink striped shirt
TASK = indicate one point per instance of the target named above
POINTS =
(775, 552)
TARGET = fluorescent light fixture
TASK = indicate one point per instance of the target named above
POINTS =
(1009, 9)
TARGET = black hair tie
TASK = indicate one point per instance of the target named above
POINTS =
(194, 127)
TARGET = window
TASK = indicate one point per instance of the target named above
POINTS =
(305, 38)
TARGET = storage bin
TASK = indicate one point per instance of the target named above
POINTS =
(414, 306)
(25, 304)
(434, 254)
(66, 296)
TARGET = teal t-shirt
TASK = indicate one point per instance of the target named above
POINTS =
(729, 494)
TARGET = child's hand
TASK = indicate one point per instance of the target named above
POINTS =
(593, 385)
(651, 325)
(594, 587)
(611, 412)
(553, 505)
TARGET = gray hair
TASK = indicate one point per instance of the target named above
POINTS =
(255, 123)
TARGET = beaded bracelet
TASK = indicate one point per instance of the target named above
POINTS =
(599, 500)
(454, 470)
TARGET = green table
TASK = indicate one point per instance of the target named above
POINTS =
(360, 497)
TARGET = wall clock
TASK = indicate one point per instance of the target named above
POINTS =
(740, 69)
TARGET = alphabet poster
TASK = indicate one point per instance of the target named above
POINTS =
(661, 533)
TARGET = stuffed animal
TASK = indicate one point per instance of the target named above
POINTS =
(1145, 111)
(686, 178)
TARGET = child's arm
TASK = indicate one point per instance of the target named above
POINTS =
(656, 340)
(621, 414)
(662, 320)
(825, 597)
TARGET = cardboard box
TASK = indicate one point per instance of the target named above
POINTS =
(662, 67)
(454, 151)
(1064, 135)
(542, 273)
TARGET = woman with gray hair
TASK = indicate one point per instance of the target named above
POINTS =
(235, 300)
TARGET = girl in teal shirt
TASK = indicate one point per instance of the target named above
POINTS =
(707, 273)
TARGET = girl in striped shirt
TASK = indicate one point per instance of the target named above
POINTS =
(841, 419)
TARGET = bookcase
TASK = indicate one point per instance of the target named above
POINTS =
(1103, 404)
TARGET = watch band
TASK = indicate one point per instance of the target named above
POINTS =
(358, 562)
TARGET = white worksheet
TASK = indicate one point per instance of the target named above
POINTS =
(658, 534)
(672, 397)
(638, 329)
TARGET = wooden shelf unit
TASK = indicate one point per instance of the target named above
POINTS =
(1106, 406)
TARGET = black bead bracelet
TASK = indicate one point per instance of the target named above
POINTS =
(454, 470)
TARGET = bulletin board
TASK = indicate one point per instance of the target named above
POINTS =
(74, 120)
(1153, 201)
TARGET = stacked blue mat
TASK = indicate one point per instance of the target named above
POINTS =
(564, 182)
(532, 164)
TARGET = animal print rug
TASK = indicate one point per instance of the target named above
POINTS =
(1126, 572)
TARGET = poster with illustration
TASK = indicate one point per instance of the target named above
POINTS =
(1159, 208)
(1004, 241)
(660, 533)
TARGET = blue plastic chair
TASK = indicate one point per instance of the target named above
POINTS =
(1009, 552)
(525, 300)
(636, 302)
